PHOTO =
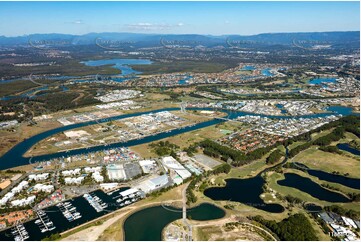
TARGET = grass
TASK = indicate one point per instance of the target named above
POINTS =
(295, 144)
(186, 139)
(329, 162)
(273, 177)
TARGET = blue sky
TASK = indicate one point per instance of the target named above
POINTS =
(216, 18)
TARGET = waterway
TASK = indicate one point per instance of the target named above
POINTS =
(148, 224)
(121, 64)
(14, 157)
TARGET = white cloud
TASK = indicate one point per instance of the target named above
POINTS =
(76, 22)
(153, 26)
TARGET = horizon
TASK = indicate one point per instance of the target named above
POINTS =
(215, 18)
(334, 31)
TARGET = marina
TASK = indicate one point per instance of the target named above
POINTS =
(19, 232)
(59, 222)
(44, 222)
(95, 202)
(69, 211)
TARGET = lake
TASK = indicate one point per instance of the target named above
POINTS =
(319, 81)
(246, 191)
(267, 72)
(120, 64)
(346, 147)
(306, 185)
(343, 180)
(147, 224)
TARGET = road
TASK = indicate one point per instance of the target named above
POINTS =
(185, 220)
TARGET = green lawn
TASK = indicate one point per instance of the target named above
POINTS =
(329, 162)
(284, 190)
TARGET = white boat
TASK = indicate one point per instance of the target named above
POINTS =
(51, 228)
(44, 230)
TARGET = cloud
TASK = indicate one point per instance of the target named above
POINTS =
(76, 22)
(153, 26)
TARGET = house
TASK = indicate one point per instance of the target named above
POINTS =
(43, 188)
(73, 180)
(38, 177)
(71, 172)
(23, 202)
(97, 177)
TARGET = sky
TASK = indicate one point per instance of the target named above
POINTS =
(214, 18)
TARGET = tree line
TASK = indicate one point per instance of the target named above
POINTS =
(296, 227)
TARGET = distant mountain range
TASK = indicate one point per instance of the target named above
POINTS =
(143, 40)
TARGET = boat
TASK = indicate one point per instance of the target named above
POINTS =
(37, 221)
(51, 228)
(44, 230)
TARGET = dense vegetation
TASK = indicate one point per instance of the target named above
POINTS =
(296, 227)
(274, 157)
(331, 149)
(342, 211)
(191, 198)
(344, 124)
(163, 148)
(235, 157)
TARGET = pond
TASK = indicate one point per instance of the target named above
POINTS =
(246, 191)
(315, 190)
(348, 148)
(147, 224)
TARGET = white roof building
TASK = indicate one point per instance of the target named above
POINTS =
(147, 165)
(109, 186)
(38, 177)
(92, 169)
(44, 188)
(172, 164)
(73, 180)
(128, 192)
(97, 177)
(23, 202)
(21, 186)
(71, 172)
(8, 196)
(153, 184)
